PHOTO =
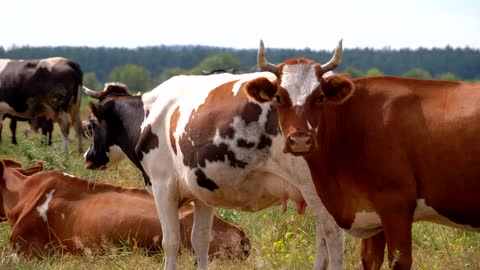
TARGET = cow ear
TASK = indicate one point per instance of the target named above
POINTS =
(261, 90)
(2, 169)
(338, 88)
(95, 108)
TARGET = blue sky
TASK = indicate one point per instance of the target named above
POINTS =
(296, 24)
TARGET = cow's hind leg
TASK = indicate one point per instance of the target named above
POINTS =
(202, 227)
(167, 208)
(64, 123)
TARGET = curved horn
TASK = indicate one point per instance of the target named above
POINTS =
(262, 62)
(336, 59)
(91, 93)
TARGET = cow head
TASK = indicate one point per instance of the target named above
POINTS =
(301, 93)
(103, 151)
(12, 178)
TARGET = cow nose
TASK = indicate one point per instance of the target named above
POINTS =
(300, 142)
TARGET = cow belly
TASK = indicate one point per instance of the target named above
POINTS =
(251, 191)
(365, 225)
(428, 213)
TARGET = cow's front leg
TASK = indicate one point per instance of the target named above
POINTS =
(397, 226)
(202, 227)
(167, 208)
(373, 250)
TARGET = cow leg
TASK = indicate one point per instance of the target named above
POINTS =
(329, 240)
(64, 124)
(167, 208)
(77, 125)
(398, 233)
(372, 250)
(334, 238)
(202, 229)
(13, 129)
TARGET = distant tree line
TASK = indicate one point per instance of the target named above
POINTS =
(144, 67)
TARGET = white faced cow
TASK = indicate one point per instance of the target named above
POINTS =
(44, 87)
(204, 141)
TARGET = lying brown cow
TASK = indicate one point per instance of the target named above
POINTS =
(51, 209)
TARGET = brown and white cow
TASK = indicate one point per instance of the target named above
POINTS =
(51, 210)
(43, 87)
(383, 151)
(204, 141)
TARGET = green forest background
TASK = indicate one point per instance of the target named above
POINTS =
(143, 68)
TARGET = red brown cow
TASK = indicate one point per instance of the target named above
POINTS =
(383, 151)
(50, 209)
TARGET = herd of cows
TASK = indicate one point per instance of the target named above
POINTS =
(368, 156)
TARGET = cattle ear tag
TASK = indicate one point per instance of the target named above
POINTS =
(264, 95)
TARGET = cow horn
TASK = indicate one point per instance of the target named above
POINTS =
(336, 59)
(91, 93)
(262, 62)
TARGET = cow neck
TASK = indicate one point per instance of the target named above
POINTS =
(340, 145)
(131, 114)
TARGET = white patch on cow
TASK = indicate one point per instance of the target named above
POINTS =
(42, 209)
(69, 175)
(365, 224)
(309, 125)
(62, 215)
(115, 155)
(156, 238)
(299, 80)
(3, 64)
(4, 107)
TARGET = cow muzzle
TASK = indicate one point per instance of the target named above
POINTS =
(299, 143)
(91, 166)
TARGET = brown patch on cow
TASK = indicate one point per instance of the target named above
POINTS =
(204, 181)
(114, 89)
(173, 127)
(301, 60)
(271, 127)
(216, 113)
(245, 144)
(148, 141)
(264, 142)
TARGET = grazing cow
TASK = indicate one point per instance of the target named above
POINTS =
(43, 87)
(50, 209)
(383, 151)
(204, 141)
(46, 125)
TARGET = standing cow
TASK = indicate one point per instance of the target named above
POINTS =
(383, 151)
(44, 87)
(204, 141)
(46, 125)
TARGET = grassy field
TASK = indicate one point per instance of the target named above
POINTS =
(279, 240)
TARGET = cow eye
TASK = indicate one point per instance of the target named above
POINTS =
(278, 99)
(321, 99)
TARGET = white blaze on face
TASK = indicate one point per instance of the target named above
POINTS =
(42, 209)
(299, 80)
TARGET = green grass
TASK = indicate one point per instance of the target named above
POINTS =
(279, 240)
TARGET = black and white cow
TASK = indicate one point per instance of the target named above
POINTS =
(43, 87)
(46, 125)
(199, 138)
